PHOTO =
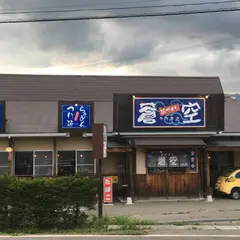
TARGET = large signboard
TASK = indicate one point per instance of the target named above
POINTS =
(76, 116)
(105, 130)
(169, 112)
(99, 140)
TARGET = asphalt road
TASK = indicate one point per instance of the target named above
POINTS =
(164, 235)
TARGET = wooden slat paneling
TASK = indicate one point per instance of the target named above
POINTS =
(183, 184)
(140, 185)
(157, 186)
(194, 186)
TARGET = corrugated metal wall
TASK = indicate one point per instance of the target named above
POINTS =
(31, 117)
(42, 117)
(98, 88)
(103, 113)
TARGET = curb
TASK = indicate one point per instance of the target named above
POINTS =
(170, 200)
(194, 221)
(186, 227)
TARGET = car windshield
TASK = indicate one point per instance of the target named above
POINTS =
(227, 173)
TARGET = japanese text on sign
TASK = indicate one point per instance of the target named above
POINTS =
(76, 116)
(168, 112)
(193, 163)
(107, 190)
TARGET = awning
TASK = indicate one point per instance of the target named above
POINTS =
(118, 146)
(114, 144)
(169, 142)
(223, 144)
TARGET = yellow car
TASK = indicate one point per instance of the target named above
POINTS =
(229, 183)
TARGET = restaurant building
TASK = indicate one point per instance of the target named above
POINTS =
(224, 148)
(158, 129)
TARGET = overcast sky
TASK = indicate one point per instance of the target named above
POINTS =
(200, 45)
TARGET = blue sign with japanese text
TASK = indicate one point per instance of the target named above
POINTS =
(168, 112)
(76, 116)
(1, 116)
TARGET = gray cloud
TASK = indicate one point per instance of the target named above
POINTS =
(147, 43)
(76, 37)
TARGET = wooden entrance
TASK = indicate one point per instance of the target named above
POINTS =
(171, 183)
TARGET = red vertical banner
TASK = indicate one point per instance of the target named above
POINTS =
(107, 190)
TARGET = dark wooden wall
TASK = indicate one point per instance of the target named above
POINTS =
(160, 186)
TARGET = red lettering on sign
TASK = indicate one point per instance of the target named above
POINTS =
(169, 109)
(107, 190)
(76, 116)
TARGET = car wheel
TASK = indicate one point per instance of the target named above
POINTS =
(235, 194)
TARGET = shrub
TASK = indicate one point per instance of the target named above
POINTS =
(45, 203)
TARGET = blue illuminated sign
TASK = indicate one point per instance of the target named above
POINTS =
(1, 116)
(168, 112)
(76, 116)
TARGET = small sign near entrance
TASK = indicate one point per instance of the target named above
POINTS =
(99, 141)
(115, 179)
(107, 190)
(193, 162)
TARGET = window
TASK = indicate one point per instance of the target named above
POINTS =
(237, 175)
(66, 163)
(71, 162)
(85, 162)
(33, 163)
(3, 163)
(43, 163)
(24, 163)
(158, 161)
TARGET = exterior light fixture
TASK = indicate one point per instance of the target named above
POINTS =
(8, 149)
(207, 96)
(133, 96)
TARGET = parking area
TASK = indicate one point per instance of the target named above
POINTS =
(177, 210)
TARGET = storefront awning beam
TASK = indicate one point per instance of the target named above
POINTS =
(165, 133)
(225, 134)
(134, 134)
(110, 134)
(22, 135)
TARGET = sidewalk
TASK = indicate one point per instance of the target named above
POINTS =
(164, 211)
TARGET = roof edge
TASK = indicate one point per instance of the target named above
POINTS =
(115, 76)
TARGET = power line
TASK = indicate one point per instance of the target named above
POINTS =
(142, 15)
(162, 52)
(123, 8)
(87, 5)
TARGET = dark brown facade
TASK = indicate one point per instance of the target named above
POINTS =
(33, 106)
(214, 110)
